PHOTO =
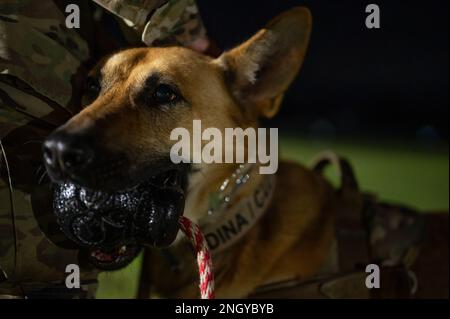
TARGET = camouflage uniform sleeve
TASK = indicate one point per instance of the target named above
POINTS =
(37, 48)
(39, 59)
(162, 22)
(134, 12)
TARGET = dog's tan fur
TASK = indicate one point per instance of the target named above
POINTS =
(294, 236)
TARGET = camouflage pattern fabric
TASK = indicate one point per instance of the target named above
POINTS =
(37, 48)
(178, 22)
(38, 60)
(174, 22)
(134, 12)
(389, 234)
(41, 61)
(396, 235)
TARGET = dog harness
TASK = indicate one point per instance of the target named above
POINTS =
(367, 232)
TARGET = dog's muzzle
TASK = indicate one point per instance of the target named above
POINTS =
(114, 225)
(107, 203)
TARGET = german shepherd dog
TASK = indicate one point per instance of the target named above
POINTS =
(122, 137)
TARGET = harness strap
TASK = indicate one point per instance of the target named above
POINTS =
(351, 230)
(342, 166)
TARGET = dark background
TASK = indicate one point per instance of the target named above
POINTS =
(390, 82)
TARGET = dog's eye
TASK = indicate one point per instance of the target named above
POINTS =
(92, 88)
(164, 94)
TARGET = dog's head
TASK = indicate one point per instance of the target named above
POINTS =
(137, 97)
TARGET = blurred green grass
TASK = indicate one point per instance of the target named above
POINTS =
(397, 171)
(122, 284)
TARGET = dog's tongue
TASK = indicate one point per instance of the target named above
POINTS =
(144, 215)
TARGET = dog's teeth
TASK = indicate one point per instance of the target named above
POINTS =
(123, 249)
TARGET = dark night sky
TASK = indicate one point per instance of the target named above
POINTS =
(392, 81)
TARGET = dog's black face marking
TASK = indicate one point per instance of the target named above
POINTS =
(75, 157)
(165, 95)
(81, 159)
(158, 92)
(92, 88)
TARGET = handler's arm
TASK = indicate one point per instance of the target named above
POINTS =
(162, 22)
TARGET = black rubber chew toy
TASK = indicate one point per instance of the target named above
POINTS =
(144, 215)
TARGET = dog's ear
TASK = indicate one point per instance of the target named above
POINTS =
(260, 70)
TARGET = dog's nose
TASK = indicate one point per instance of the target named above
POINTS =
(66, 153)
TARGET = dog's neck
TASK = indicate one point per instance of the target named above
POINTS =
(227, 201)
(205, 182)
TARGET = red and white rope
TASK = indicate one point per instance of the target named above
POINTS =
(204, 261)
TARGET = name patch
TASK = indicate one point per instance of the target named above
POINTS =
(240, 219)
